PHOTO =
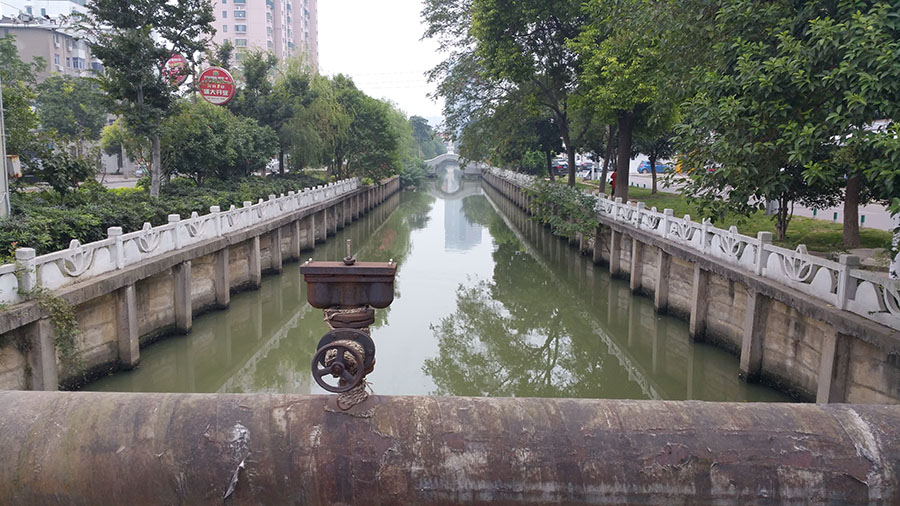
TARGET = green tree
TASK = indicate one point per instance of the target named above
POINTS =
(64, 172)
(844, 56)
(74, 107)
(757, 129)
(204, 140)
(369, 146)
(134, 40)
(18, 80)
(118, 140)
(270, 102)
(428, 142)
(527, 44)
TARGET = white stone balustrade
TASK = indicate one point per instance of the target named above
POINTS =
(873, 295)
(119, 250)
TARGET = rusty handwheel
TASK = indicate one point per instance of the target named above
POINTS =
(360, 337)
(341, 359)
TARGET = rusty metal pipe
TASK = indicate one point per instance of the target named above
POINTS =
(104, 448)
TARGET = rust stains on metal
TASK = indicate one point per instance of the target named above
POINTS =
(334, 284)
(101, 448)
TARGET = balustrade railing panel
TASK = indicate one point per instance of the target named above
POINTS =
(79, 261)
(872, 295)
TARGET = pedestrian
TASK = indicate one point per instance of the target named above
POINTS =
(612, 183)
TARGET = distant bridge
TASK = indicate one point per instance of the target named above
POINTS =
(447, 159)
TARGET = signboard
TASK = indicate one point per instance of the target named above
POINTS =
(176, 70)
(216, 86)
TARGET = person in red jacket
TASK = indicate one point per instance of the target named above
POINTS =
(612, 183)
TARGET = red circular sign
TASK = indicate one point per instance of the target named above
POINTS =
(176, 70)
(216, 86)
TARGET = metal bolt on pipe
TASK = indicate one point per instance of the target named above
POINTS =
(143, 449)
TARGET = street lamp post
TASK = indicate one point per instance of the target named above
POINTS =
(4, 175)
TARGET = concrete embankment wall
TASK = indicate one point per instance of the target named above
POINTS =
(124, 309)
(784, 338)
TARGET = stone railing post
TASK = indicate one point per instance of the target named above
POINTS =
(705, 241)
(844, 282)
(28, 276)
(116, 250)
(639, 214)
(617, 206)
(762, 256)
(216, 212)
(667, 220)
(174, 219)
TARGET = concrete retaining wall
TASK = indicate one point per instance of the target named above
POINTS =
(784, 337)
(120, 311)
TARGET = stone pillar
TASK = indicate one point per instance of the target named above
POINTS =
(308, 225)
(834, 368)
(42, 355)
(699, 304)
(183, 307)
(597, 255)
(332, 220)
(348, 211)
(322, 224)
(254, 263)
(127, 333)
(222, 277)
(275, 250)
(661, 293)
(751, 344)
(636, 265)
(295, 240)
(615, 252)
(339, 219)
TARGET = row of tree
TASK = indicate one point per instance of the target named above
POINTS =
(281, 109)
(775, 100)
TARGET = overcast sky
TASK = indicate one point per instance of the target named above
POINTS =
(377, 44)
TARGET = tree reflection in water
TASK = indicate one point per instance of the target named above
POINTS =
(512, 335)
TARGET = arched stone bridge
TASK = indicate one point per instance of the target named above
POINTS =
(446, 159)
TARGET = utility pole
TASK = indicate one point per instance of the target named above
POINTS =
(5, 209)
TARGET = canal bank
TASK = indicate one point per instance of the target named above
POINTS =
(132, 289)
(487, 304)
(783, 336)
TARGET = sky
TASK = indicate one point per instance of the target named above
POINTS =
(377, 44)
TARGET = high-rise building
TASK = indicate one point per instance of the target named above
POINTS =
(285, 27)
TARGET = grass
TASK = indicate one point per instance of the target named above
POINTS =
(818, 235)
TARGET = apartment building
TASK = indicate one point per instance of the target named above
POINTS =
(285, 27)
(63, 52)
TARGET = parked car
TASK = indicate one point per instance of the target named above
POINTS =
(560, 168)
(644, 167)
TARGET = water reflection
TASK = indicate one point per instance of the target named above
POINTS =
(486, 303)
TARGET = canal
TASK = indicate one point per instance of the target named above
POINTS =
(487, 303)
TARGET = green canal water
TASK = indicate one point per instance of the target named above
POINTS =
(486, 303)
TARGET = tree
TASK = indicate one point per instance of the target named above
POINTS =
(655, 138)
(269, 102)
(64, 172)
(428, 143)
(134, 40)
(499, 48)
(118, 140)
(221, 54)
(18, 79)
(793, 102)
(74, 107)
(204, 140)
(844, 55)
(366, 145)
